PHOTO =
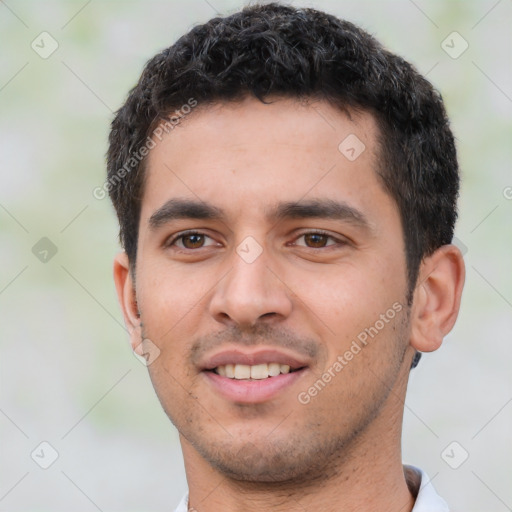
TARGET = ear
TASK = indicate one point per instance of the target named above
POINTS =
(127, 298)
(436, 299)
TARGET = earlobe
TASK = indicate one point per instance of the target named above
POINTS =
(126, 296)
(437, 298)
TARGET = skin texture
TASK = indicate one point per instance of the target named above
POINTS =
(306, 296)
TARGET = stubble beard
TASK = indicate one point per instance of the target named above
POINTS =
(300, 456)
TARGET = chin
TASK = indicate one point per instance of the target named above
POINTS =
(280, 461)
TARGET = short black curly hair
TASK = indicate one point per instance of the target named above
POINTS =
(279, 50)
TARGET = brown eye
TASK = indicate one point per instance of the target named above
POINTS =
(192, 241)
(316, 240)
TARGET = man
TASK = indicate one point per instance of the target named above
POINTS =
(286, 191)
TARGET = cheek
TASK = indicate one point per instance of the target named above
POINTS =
(347, 298)
(170, 297)
(171, 310)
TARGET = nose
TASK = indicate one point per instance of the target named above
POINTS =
(250, 292)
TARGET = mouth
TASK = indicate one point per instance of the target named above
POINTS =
(256, 377)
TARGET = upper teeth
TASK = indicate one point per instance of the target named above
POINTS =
(257, 371)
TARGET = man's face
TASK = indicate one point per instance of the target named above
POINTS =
(296, 253)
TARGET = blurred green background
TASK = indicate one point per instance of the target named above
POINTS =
(68, 376)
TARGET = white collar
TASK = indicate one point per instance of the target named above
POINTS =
(427, 499)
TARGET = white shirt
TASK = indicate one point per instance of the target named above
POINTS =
(427, 499)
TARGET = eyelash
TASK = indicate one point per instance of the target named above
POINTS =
(338, 242)
(179, 236)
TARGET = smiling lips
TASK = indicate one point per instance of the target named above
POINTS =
(252, 377)
(264, 363)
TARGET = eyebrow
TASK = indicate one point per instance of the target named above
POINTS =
(175, 209)
(321, 209)
(184, 209)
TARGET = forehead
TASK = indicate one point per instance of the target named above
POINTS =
(248, 156)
